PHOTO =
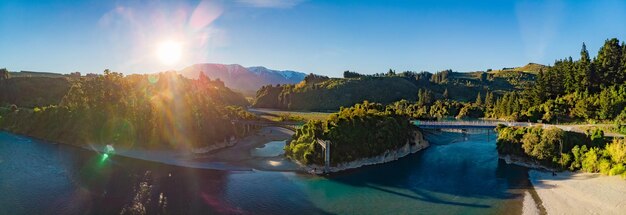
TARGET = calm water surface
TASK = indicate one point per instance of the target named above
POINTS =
(271, 149)
(453, 176)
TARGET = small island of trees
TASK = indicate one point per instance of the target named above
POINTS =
(364, 130)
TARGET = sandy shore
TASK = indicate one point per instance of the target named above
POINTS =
(577, 193)
(236, 158)
(239, 155)
(529, 207)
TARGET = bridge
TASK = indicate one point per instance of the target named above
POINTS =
(464, 124)
(248, 125)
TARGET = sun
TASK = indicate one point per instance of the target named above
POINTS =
(169, 52)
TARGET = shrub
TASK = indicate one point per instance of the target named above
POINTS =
(617, 169)
(604, 166)
(590, 160)
(565, 160)
(617, 151)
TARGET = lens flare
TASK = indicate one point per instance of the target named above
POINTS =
(104, 157)
(169, 52)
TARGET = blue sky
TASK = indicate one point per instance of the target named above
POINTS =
(323, 37)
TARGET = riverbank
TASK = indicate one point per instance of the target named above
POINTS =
(578, 193)
(511, 159)
(418, 144)
(235, 157)
(571, 193)
(240, 154)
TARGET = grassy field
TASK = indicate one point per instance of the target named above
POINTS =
(281, 115)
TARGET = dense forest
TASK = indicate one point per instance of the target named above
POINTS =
(582, 90)
(363, 130)
(590, 90)
(29, 89)
(158, 110)
(565, 150)
(322, 93)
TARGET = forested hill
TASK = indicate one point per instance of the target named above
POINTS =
(574, 89)
(322, 93)
(31, 89)
(145, 111)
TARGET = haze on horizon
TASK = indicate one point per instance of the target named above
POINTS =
(322, 37)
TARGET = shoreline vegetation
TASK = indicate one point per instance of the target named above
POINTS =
(157, 111)
(363, 134)
(554, 149)
(386, 157)
(584, 90)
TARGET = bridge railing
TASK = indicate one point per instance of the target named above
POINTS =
(265, 122)
(467, 123)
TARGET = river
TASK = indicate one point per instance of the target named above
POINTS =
(456, 175)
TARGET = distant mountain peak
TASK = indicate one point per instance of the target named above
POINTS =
(248, 80)
(287, 74)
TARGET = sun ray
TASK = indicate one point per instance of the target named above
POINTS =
(169, 52)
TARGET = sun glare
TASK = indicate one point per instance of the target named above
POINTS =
(169, 52)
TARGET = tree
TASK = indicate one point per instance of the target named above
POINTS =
(349, 74)
(479, 101)
(530, 140)
(424, 97)
(623, 60)
(202, 78)
(4, 74)
(489, 99)
(608, 63)
(441, 77)
(445, 94)
(540, 89)
(313, 78)
(585, 75)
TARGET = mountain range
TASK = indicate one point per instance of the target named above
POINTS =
(246, 80)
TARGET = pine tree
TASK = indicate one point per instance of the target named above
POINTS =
(584, 77)
(608, 63)
(540, 90)
(424, 97)
(498, 109)
(489, 99)
(479, 101)
(420, 97)
(428, 97)
(623, 62)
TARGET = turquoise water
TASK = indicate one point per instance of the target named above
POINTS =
(453, 176)
(271, 149)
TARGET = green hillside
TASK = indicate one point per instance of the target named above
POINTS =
(156, 110)
(323, 93)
